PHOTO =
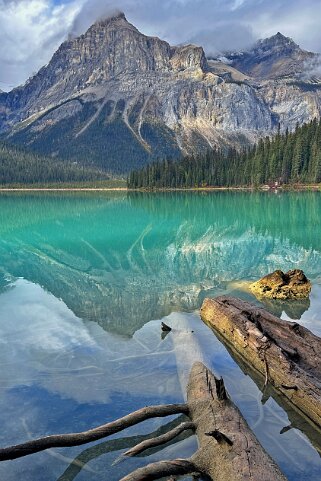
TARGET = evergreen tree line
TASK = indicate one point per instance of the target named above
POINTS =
(18, 166)
(286, 158)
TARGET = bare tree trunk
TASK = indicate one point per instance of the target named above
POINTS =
(297, 419)
(286, 353)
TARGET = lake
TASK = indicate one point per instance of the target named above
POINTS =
(85, 281)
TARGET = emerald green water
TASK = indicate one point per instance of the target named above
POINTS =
(85, 280)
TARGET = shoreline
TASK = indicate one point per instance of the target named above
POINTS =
(285, 188)
(63, 189)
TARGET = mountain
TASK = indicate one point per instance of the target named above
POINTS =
(117, 99)
(274, 58)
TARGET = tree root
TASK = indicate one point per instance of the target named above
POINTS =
(118, 444)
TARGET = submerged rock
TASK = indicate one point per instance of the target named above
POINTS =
(279, 285)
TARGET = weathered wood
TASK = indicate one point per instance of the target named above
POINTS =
(161, 469)
(297, 419)
(77, 439)
(228, 450)
(286, 353)
(119, 444)
(159, 440)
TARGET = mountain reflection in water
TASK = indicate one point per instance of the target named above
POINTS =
(85, 280)
(100, 254)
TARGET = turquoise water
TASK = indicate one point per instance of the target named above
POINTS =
(85, 280)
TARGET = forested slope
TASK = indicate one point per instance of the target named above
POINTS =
(288, 158)
(18, 166)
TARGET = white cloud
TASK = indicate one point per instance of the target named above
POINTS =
(30, 31)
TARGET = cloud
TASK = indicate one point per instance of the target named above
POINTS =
(217, 24)
(312, 69)
(31, 30)
(215, 41)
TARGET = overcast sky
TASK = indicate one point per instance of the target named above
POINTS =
(31, 30)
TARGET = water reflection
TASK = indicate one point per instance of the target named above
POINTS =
(102, 253)
(122, 261)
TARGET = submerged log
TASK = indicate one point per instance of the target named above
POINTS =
(228, 450)
(286, 353)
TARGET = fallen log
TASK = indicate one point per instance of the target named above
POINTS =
(297, 419)
(286, 353)
(228, 450)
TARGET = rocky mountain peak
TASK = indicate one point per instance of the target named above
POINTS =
(111, 48)
(274, 57)
(117, 20)
(277, 42)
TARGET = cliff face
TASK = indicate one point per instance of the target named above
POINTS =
(117, 98)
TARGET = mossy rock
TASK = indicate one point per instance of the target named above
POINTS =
(279, 285)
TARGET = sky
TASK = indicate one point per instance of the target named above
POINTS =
(31, 30)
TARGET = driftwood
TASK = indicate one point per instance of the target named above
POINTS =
(161, 469)
(285, 353)
(297, 419)
(119, 444)
(227, 447)
(228, 450)
(77, 439)
(159, 440)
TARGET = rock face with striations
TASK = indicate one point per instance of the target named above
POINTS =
(116, 98)
(279, 285)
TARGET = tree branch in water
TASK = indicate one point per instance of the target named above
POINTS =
(77, 439)
(157, 441)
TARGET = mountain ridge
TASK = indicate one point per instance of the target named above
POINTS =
(271, 58)
(117, 99)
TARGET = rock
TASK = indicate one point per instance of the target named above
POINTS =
(279, 285)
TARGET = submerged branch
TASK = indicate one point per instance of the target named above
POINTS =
(118, 444)
(157, 441)
(77, 439)
(161, 469)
